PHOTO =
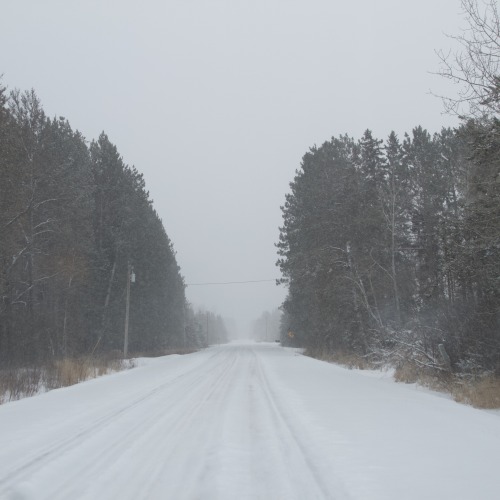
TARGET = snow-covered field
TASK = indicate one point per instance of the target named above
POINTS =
(246, 421)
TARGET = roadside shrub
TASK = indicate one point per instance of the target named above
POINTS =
(18, 383)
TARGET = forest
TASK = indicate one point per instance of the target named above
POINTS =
(76, 225)
(391, 248)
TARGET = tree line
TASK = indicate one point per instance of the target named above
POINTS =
(73, 218)
(266, 328)
(391, 248)
(204, 328)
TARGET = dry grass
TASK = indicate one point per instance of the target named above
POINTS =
(71, 371)
(480, 392)
(17, 384)
(24, 382)
(68, 372)
(407, 373)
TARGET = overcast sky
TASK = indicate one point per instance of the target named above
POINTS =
(216, 102)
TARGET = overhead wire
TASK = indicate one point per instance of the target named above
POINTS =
(229, 282)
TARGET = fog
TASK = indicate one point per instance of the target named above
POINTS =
(217, 101)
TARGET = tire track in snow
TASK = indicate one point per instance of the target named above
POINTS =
(188, 438)
(200, 421)
(149, 432)
(41, 458)
(297, 456)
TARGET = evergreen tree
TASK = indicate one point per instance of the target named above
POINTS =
(392, 250)
(72, 221)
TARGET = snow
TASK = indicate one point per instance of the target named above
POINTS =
(246, 421)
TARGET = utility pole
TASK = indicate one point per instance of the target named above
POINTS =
(130, 278)
(207, 330)
(184, 336)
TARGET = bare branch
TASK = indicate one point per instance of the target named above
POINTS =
(476, 68)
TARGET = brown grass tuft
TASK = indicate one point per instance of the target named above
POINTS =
(24, 382)
(19, 383)
(480, 393)
(68, 372)
(407, 373)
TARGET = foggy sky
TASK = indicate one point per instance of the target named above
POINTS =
(217, 101)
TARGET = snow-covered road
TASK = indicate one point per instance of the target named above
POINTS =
(246, 421)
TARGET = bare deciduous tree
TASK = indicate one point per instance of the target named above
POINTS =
(475, 67)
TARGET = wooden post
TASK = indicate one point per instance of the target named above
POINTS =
(127, 308)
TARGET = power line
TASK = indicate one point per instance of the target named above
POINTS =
(229, 282)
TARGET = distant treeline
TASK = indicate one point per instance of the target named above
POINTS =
(73, 216)
(391, 250)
